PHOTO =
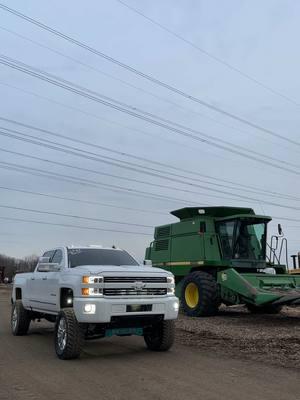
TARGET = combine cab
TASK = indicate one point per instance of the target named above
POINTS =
(220, 255)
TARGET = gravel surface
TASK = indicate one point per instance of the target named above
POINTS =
(122, 368)
(272, 339)
(238, 334)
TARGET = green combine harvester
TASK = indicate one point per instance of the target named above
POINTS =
(220, 255)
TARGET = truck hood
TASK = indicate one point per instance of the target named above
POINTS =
(123, 269)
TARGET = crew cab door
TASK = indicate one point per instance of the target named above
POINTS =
(37, 285)
(51, 294)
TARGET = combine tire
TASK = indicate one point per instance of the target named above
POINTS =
(199, 295)
(160, 337)
(68, 335)
(20, 319)
(268, 309)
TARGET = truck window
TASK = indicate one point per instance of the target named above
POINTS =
(77, 257)
(58, 256)
(49, 254)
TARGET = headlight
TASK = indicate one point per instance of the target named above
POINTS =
(91, 291)
(171, 282)
(92, 279)
(171, 290)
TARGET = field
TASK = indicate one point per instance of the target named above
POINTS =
(232, 356)
(271, 339)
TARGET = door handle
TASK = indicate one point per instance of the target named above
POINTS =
(44, 279)
(32, 279)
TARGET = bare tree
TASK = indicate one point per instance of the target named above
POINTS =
(9, 266)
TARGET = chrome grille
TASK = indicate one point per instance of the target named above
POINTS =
(132, 279)
(134, 292)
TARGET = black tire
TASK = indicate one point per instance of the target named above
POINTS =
(268, 309)
(199, 295)
(20, 319)
(160, 337)
(69, 336)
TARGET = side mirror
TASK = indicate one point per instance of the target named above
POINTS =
(48, 267)
(54, 267)
(44, 260)
(279, 229)
(147, 262)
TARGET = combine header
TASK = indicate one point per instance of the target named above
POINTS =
(220, 255)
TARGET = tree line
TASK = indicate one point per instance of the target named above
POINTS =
(9, 266)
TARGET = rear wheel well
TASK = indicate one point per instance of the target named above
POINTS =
(210, 270)
(66, 297)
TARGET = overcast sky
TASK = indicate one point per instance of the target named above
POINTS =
(258, 38)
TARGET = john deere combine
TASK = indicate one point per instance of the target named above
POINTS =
(220, 255)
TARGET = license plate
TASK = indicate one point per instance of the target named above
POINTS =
(138, 307)
(124, 332)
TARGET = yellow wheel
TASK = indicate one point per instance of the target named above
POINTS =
(191, 295)
(199, 294)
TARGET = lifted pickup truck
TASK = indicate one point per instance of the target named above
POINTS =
(95, 292)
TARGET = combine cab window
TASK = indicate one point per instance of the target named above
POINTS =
(226, 231)
(250, 240)
(242, 239)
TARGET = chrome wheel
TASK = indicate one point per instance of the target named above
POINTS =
(14, 319)
(62, 334)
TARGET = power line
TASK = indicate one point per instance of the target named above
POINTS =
(62, 149)
(125, 82)
(96, 203)
(210, 55)
(85, 94)
(148, 77)
(249, 188)
(287, 219)
(91, 202)
(97, 157)
(117, 176)
(40, 74)
(74, 216)
(85, 181)
(73, 226)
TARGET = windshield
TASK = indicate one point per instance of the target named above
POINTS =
(243, 239)
(77, 257)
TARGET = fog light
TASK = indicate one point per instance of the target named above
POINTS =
(89, 308)
(176, 305)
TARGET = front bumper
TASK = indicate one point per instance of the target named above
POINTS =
(106, 308)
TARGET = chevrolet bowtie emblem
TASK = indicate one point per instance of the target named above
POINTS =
(139, 285)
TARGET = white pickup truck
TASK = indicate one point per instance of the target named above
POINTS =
(95, 292)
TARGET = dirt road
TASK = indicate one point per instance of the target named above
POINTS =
(121, 368)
